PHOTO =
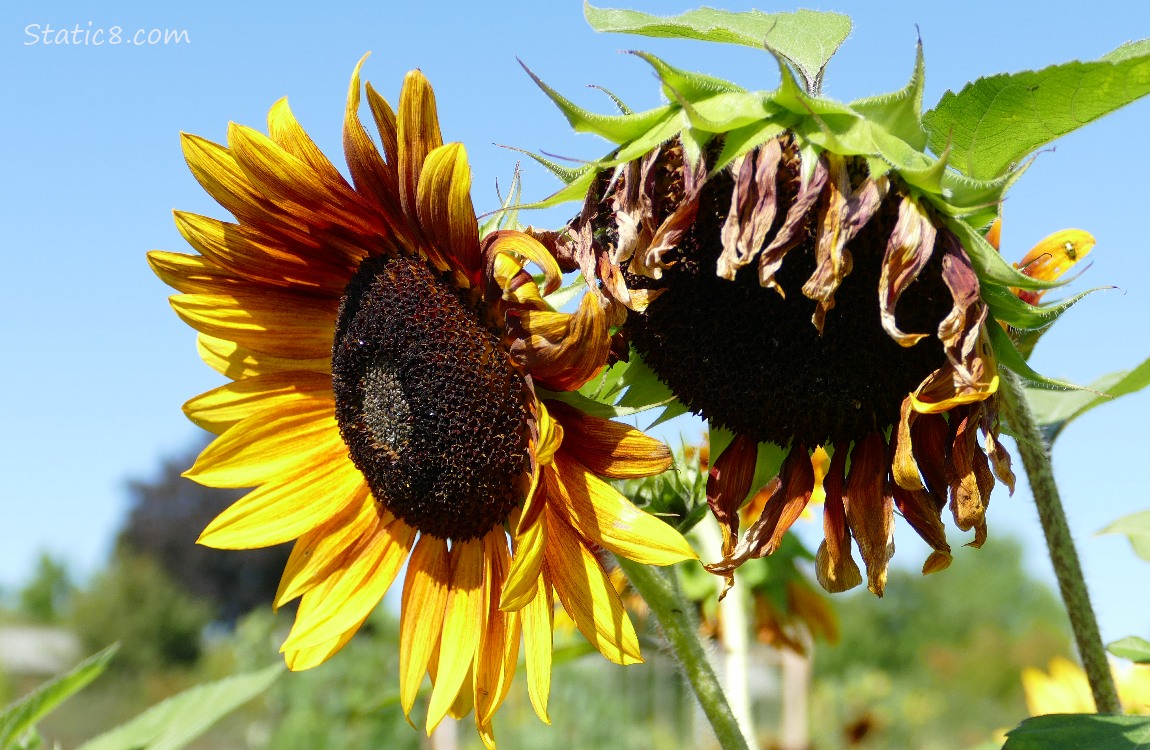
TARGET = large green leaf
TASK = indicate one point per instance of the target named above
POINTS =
(806, 38)
(1080, 731)
(1056, 409)
(22, 715)
(182, 718)
(994, 122)
(1136, 528)
(1133, 648)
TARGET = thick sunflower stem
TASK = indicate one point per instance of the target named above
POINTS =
(661, 591)
(1035, 452)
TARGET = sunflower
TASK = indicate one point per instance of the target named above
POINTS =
(804, 275)
(390, 371)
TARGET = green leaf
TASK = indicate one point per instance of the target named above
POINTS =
(184, 717)
(1055, 410)
(21, 716)
(1133, 648)
(1136, 528)
(1078, 731)
(995, 122)
(806, 38)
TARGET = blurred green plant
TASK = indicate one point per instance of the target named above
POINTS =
(935, 663)
(136, 603)
(46, 597)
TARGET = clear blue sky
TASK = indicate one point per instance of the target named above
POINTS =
(95, 365)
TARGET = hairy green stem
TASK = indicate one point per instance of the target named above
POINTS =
(1035, 452)
(661, 591)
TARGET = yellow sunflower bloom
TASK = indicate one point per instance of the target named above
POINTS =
(384, 361)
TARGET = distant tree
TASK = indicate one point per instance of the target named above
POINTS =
(164, 520)
(135, 603)
(937, 662)
(45, 598)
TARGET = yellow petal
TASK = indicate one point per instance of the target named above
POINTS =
(349, 594)
(284, 509)
(598, 512)
(522, 580)
(289, 135)
(462, 621)
(538, 641)
(522, 248)
(443, 199)
(564, 351)
(269, 443)
(222, 407)
(268, 261)
(1052, 257)
(587, 594)
(318, 552)
(234, 361)
(499, 644)
(608, 448)
(373, 177)
(292, 183)
(312, 656)
(216, 170)
(277, 323)
(421, 616)
(192, 274)
(418, 133)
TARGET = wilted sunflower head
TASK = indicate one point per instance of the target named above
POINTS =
(803, 273)
(388, 367)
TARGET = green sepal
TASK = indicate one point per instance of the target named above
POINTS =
(686, 84)
(900, 113)
(989, 264)
(615, 128)
(745, 139)
(728, 111)
(1007, 307)
(808, 39)
(1009, 357)
(995, 122)
(507, 215)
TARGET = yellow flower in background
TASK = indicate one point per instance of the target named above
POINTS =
(384, 361)
(1064, 689)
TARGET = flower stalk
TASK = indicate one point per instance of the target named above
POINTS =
(1035, 452)
(661, 592)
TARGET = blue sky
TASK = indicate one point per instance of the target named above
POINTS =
(95, 365)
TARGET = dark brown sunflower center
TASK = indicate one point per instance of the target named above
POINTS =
(751, 360)
(427, 400)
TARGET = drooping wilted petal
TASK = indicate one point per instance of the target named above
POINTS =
(972, 480)
(910, 246)
(835, 568)
(842, 213)
(870, 508)
(728, 483)
(789, 495)
(793, 230)
(922, 514)
(754, 203)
